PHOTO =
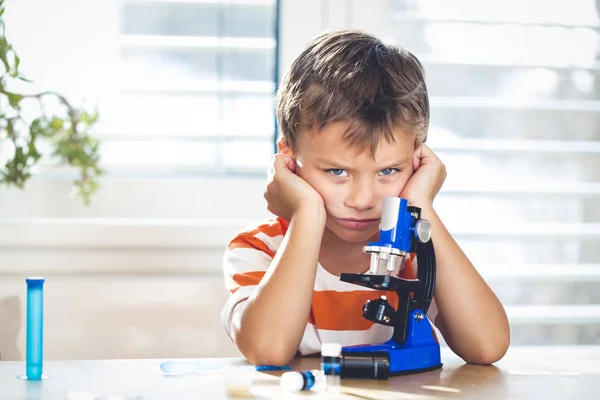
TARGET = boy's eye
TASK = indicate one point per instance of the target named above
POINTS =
(389, 171)
(337, 172)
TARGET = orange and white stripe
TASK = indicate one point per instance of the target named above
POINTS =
(336, 311)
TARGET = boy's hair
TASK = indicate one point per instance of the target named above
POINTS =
(349, 75)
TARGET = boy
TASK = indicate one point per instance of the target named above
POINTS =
(354, 114)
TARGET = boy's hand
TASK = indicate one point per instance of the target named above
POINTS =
(286, 192)
(427, 179)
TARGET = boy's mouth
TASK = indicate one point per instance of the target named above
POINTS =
(358, 224)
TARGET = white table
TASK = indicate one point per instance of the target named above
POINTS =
(566, 373)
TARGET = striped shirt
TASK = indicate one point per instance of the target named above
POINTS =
(336, 310)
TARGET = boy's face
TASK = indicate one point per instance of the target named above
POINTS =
(352, 183)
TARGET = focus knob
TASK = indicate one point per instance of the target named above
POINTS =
(423, 230)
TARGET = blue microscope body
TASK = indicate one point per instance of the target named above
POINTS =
(413, 346)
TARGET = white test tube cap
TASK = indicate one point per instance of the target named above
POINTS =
(292, 381)
(331, 349)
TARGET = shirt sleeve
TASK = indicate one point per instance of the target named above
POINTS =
(245, 262)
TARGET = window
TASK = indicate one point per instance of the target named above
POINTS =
(183, 87)
(197, 87)
(515, 113)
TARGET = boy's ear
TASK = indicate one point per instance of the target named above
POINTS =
(284, 149)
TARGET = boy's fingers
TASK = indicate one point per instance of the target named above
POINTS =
(291, 164)
(416, 161)
(271, 170)
(424, 155)
(283, 161)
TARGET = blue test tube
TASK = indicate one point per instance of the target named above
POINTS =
(35, 328)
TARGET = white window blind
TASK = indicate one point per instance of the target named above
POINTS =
(182, 87)
(515, 98)
(197, 87)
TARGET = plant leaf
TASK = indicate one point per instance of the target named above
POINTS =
(14, 100)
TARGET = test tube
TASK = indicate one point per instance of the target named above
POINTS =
(35, 329)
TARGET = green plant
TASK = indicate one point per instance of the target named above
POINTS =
(67, 132)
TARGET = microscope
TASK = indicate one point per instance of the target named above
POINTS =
(413, 346)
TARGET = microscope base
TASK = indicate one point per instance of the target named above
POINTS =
(420, 352)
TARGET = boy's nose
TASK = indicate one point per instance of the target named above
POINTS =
(362, 197)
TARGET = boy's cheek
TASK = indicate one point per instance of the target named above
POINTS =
(329, 198)
(332, 198)
(400, 187)
(310, 178)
